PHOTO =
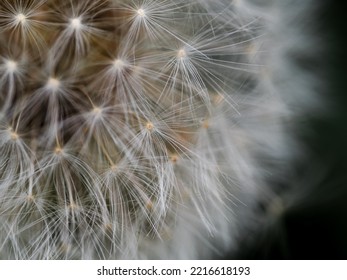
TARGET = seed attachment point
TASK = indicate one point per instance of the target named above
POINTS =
(141, 13)
(149, 126)
(205, 124)
(118, 64)
(11, 66)
(181, 54)
(20, 18)
(30, 198)
(53, 84)
(76, 23)
(97, 111)
(14, 136)
(174, 158)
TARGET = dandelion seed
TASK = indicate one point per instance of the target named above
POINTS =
(11, 66)
(181, 54)
(76, 23)
(118, 64)
(20, 18)
(141, 13)
(130, 129)
(149, 126)
(53, 84)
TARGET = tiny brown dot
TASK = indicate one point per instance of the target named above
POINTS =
(174, 158)
(30, 198)
(108, 226)
(58, 151)
(73, 206)
(149, 126)
(205, 124)
(181, 53)
(218, 99)
(149, 205)
(96, 110)
(14, 136)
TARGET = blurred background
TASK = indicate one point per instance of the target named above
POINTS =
(312, 223)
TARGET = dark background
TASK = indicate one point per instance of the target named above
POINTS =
(315, 226)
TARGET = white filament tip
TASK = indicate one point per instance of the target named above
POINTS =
(58, 150)
(149, 126)
(14, 136)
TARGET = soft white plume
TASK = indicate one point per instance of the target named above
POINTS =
(137, 129)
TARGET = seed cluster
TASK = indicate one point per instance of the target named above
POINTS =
(119, 123)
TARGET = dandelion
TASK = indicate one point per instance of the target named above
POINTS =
(77, 22)
(24, 22)
(131, 129)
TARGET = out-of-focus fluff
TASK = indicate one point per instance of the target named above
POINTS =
(134, 129)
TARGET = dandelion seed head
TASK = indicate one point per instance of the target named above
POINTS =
(114, 167)
(174, 158)
(149, 205)
(13, 135)
(108, 226)
(97, 112)
(131, 142)
(73, 206)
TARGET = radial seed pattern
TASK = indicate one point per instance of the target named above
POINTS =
(121, 126)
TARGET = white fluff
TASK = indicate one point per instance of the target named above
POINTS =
(140, 129)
